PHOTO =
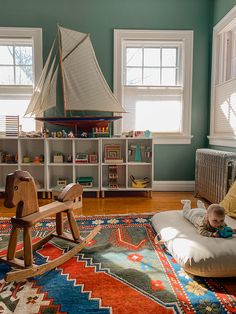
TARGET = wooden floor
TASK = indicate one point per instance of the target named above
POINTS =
(121, 203)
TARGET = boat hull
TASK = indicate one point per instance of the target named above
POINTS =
(84, 123)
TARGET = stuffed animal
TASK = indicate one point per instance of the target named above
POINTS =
(226, 232)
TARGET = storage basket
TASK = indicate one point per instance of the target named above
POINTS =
(139, 183)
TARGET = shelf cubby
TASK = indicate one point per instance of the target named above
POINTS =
(31, 147)
(62, 146)
(56, 172)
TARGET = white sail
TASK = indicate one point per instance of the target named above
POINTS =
(35, 102)
(84, 86)
(51, 99)
(48, 95)
(70, 39)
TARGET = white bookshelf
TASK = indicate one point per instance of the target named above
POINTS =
(141, 168)
(47, 172)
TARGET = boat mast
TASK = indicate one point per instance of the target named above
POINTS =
(61, 68)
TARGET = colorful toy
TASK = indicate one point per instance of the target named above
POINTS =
(226, 232)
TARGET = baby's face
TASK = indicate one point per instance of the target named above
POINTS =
(216, 221)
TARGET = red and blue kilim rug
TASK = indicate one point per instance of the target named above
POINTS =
(121, 271)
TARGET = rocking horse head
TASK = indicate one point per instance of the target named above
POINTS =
(21, 191)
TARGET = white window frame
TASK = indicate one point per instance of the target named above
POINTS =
(221, 78)
(121, 36)
(21, 91)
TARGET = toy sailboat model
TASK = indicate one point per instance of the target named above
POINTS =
(84, 88)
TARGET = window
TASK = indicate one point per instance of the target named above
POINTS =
(152, 79)
(223, 89)
(16, 64)
(151, 66)
(20, 67)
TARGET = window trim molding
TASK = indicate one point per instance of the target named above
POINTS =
(186, 37)
(36, 35)
(224, 25)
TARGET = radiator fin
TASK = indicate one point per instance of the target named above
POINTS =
(215, 172)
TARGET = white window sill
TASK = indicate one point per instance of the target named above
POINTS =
(172, 139)
(222, 141)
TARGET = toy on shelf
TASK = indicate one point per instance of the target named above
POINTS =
(21, 192)
(64, 134)
(36, 160)
(146, 134)
(226, 232)
(113, 177)
(81, 158)
(26, 159)
(113, 153)
(61, 183)
(139, 183)
(9, 125)
(31, 134)
(69, 158)
(9, 158)
(45, 133)
(93, 158)
(58, 158)
(101, 132)
(85, 181)
(140, 150)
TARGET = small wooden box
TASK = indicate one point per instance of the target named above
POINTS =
(58, 158)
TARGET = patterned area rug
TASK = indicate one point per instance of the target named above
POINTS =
(120, 271)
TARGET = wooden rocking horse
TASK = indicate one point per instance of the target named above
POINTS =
(21, 192)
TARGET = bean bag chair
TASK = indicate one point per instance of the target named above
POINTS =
(198, 255)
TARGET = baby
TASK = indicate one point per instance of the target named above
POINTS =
(206, 221)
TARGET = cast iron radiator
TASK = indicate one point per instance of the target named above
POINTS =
(215, 172)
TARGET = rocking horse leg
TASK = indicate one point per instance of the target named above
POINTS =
(12, 243)
(28, 251)
(59, 223)
(73, 225)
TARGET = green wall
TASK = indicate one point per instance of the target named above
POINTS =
(100, 17)
(222, 7)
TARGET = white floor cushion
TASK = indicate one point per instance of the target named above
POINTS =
(199, 255)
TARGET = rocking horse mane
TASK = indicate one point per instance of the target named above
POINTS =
(21, 191)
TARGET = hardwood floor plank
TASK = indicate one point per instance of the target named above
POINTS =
(121, 203)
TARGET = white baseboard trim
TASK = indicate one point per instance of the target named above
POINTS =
(173, 186)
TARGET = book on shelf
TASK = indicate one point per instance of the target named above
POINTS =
(113, 161)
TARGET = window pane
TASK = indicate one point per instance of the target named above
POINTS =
(7, 75)
(18, 107)
(157, 115)
(168, 77)
(23, 55)
(6, 55)
(133, 56)
(24, 75)
(151, 56)
(163, 114)
(169, 57)
(151, 76)
(133, 76)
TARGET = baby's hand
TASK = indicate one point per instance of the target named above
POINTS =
(215, 235)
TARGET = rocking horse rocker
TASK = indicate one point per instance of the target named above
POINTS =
(21, 192)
